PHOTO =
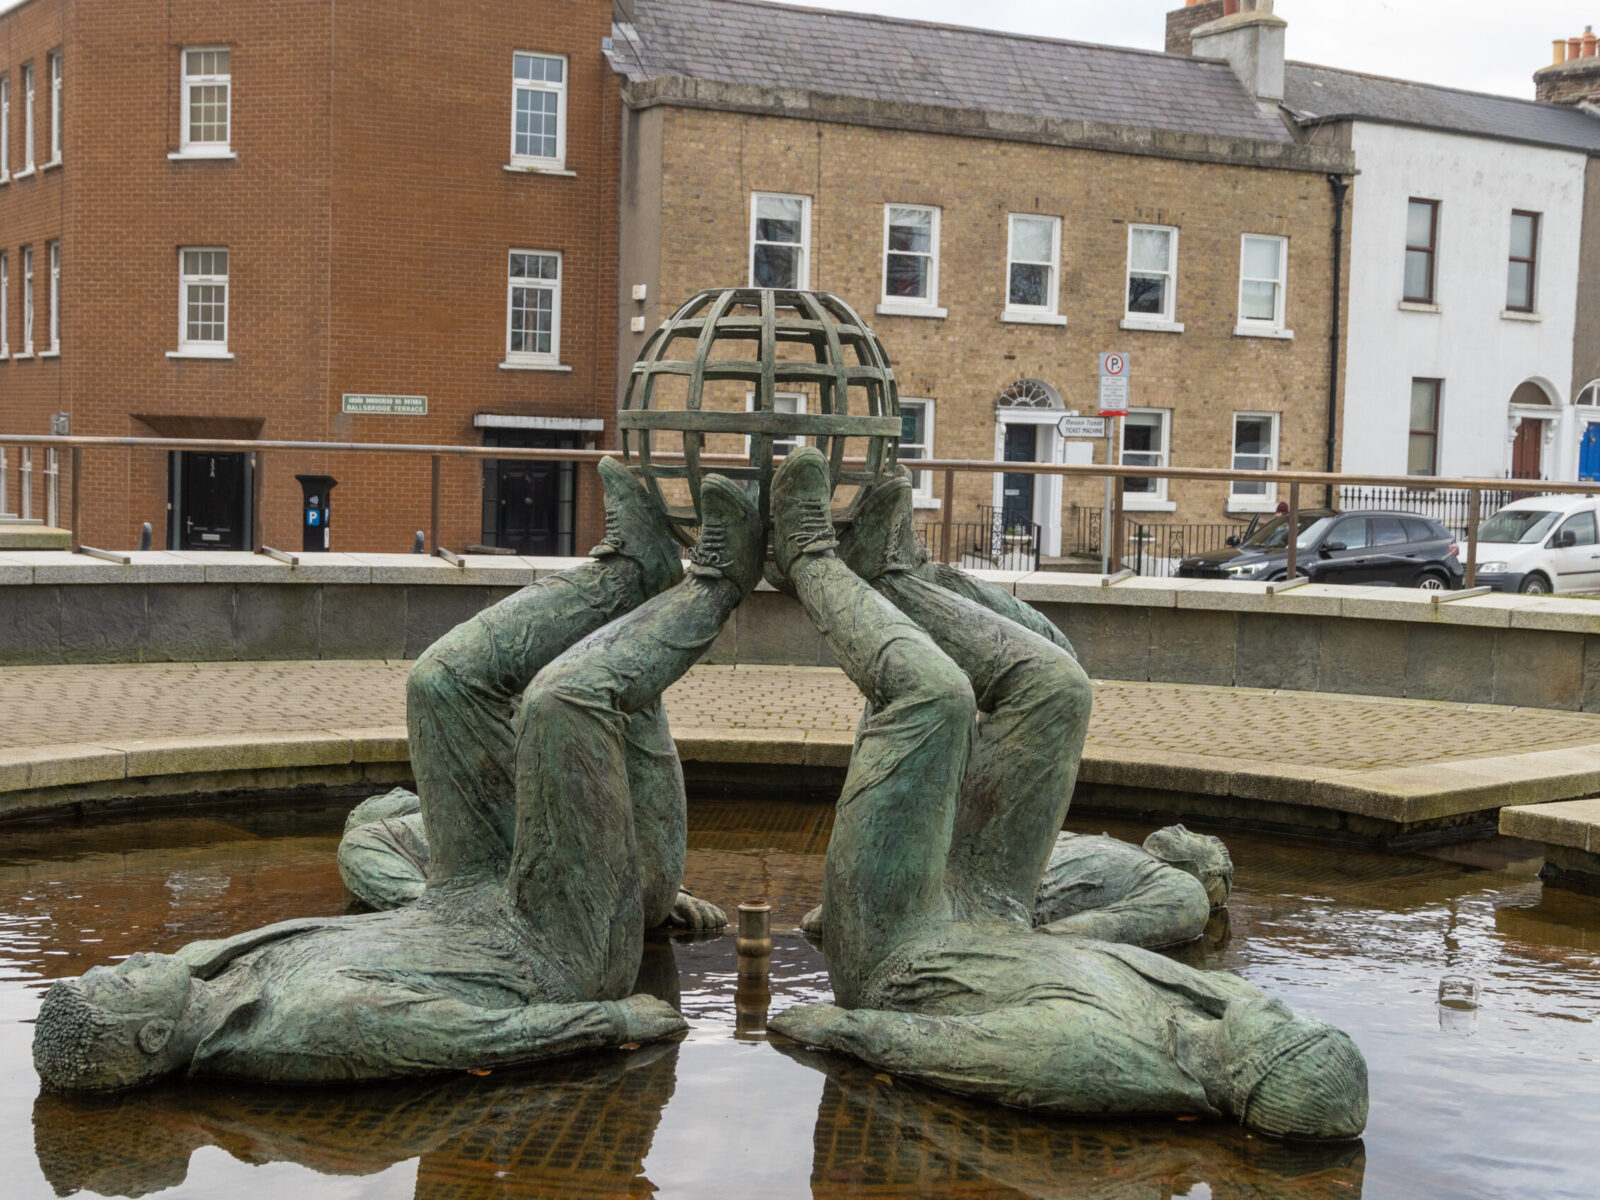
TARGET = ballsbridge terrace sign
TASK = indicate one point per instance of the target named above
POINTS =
(394, 406)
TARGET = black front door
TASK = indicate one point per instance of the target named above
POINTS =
(529, 506)
(1016, 491)
(210, 500)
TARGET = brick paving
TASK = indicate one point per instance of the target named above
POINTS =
(40, 706)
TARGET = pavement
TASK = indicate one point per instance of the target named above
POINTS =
(1395, 761)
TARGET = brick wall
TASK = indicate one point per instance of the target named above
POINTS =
(963, 362)
(368, 219)
(1181, 22)
(1570, 83)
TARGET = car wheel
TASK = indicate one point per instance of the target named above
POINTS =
(1535, 585)
(1430, 581)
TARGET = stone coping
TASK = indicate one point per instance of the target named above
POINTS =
(1573, 824)
(1554, 614)
(1529, 788)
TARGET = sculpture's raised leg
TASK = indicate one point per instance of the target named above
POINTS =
(966, 995)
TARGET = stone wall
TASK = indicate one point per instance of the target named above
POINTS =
(1494, 649)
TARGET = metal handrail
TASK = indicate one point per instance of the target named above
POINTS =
(77, 444)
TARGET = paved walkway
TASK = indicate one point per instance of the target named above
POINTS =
(40, 706)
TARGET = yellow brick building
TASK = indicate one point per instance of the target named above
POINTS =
(1000, 230)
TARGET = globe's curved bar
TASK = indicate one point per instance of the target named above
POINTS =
(772, 342)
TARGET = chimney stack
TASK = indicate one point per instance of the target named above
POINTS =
(1574, 76)
(1250, 38)
(1181, 22)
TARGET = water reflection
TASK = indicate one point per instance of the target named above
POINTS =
(575, 1128)
(877, 1136)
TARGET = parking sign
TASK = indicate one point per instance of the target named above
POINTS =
(1114, 373)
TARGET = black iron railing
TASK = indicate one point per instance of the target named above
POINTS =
(1451, 507)
(984, 545)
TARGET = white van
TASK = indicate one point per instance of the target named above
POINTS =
(1541, 544)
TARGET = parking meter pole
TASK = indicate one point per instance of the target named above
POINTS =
(1294, 532)
(1105, 517)
(1116, 520)
(1472, 539)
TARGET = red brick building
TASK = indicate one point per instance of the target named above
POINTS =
(265, 219)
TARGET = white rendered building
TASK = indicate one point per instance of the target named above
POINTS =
(1465, 241)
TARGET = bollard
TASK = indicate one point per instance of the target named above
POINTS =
(144, 536)
(418, 544)
(754, 944)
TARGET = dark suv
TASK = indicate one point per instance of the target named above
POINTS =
(1382, 549)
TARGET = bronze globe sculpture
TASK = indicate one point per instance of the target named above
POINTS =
(713, 373)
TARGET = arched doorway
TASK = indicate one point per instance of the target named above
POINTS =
(1587, 407)
(1026, 414)
(1531, 425)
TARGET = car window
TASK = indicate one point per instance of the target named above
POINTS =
(1313, 533)
(1387, 531)
(1352, 531)
(1421, 531)
(1524, 525)
(1581, 524)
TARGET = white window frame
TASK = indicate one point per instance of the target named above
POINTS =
(27, 302)
(1155, 500)
(803, 275)
(27, 119)
(527, 360)
(1256, 326)
(1043, 314)
(5, 304)
(1166, 319)
(799, 399)
(540, 161)
(922, 481)
(187, 146)
(911, 306)
(54, 59)
(208, 348)
(5, 127)
(55, 298)
(1266, 500)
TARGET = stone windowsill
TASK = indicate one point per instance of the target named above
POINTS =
(912, 310)
(1147, 504)
(535, 169)
(1250, 507)
(532, 366)
(199, 154)
(1419, 306)
(1142, 324)
(50, 354)
(1512, 314)
(199, 352)
(23, 357)
(926, 502)
(23, 174)
(1029, 318)
(1263, 331)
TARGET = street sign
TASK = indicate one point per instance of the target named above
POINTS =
(1114, 373)
(394, 406)
(1081, 427)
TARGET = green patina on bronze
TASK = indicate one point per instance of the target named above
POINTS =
(552, 809)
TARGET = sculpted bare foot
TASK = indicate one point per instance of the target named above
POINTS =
(691, 912)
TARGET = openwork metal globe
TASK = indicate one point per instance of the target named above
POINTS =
(756, 372)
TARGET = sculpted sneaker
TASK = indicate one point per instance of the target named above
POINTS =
(732, 545)
(636, 529)
(883, 537)
(802, 521)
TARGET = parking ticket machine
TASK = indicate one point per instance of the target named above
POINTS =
(316, 511)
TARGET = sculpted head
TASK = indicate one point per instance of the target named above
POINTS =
(1292, 1076)
(116, 1027)
(1198, 854)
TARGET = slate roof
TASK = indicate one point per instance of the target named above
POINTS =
(1323, 93)
(887, 59)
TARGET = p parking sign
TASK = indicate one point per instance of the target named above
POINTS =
(1114, 373)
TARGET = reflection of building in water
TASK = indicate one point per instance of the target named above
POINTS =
(875, 1137)
(575, 1128)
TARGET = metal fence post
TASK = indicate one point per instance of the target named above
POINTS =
(52, 489)
(1472, 538)
(1293, 567)
(433, 506)
(77, 474)
(27, 484)
(258, 492)
(1117, 546)
(5, 483)
(948, 516)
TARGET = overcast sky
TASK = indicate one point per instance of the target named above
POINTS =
(1485, 45)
